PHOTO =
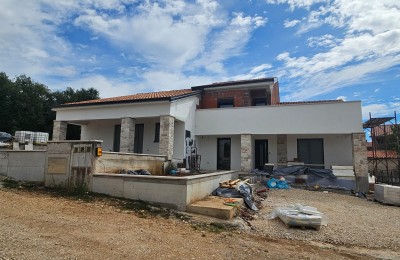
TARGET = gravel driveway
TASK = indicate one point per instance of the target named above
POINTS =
(39, 225)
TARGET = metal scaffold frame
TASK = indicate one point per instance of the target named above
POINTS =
(384, 151)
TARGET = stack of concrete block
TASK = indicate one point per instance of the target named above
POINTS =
(343, 172)
(387, 194)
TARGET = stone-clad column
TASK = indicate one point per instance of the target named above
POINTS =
(360, 161)
(127, 135)
(282, 149)
(59, 130)
(167, 127)
(246, 149)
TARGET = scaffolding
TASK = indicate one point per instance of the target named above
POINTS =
(384, 148)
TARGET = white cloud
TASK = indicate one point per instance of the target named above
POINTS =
(296, 3)
(376, 90)
(260, 68)
(380, 110)
(371, 44)
(344, 98)
(326, 40)
(292, 23)
(154, 41)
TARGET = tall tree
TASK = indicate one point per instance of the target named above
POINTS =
(26, 105)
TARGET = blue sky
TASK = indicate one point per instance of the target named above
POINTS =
(318, 49)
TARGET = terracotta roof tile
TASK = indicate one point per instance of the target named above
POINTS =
(381, 154)
(137, 97)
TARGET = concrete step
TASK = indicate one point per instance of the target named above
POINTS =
(214, 207)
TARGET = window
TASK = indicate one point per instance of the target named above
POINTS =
(157, 133)
(259, 101)
(225, 102)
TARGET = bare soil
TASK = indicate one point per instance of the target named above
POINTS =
(38, 224)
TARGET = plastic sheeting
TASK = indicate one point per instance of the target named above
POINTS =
(299, 215)
(242, 190)
(5, 137)
(277, 184)
(304, 170)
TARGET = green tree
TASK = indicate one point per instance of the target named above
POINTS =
(393, 140)
(26, 105)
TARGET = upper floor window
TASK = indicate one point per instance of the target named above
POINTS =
(260, 101)
(225, 102)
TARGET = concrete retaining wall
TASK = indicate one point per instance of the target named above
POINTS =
(115, 162)
(172, 192)
(23, 165)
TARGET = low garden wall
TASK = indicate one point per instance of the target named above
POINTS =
(23, 165)
(168, 191)
(111, 162)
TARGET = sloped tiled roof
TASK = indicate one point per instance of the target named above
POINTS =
(140, 97)
(381, 154)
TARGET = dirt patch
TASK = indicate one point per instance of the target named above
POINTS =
(39, 224)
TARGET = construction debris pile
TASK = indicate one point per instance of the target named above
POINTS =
(236, 189)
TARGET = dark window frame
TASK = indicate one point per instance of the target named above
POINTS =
(226, 102)
(157, 133)
(259, 101)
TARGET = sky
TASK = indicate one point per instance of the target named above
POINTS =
(318, 49)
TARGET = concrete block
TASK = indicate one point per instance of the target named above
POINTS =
(214, 207)
(113, 186)
(35, 174)
(57, 148)
(387, 194)
(27, 158)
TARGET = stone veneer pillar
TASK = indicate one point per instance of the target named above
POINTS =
(246, 149)
(360, 161)
(282, 149)
(59, 130)
(167, 127)
(127, 135)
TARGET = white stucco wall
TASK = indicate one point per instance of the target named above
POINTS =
(185, 110)
(272, 147)
(104, 130)
(207, 148)
(114, 111)
(320, 118)
(100, 130)
(179, 140)
(337, 148)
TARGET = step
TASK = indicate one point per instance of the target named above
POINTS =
(213, 206)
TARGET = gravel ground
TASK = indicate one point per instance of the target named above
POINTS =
(351, 220)
(39, 225)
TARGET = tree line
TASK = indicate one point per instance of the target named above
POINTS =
(26, 105)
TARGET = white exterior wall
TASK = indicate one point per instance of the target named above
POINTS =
(337, 148)
(104, 130)
(149, 146)
(207, 148)
(320, 118)
(179, 140)
(100, 130)
(113, 111)
(272, 147)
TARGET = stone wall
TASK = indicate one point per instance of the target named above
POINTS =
(360, 161)
(59, 130)
(127, 135)
(246, 149)
(282, 149)
(167, 128)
